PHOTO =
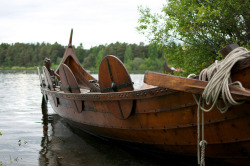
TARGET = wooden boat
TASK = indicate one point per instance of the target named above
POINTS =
(163, 117)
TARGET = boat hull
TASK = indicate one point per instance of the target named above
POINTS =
(167, 122)
(163, 116)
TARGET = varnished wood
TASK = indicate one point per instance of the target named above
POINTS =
(114, 77)
(189, 85)
(113, 72)
(68, 80)
(160, 118)
(47, 64)
(47, 79)
(83, 78)
(49, 84)
(70, 85)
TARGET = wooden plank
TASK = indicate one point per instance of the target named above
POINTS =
(189, 85)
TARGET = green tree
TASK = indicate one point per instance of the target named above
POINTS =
(139, 50)
(80, 52)
(3, 51)
(152, 51)
(134, 65)
(89, 62)
(101, 54)
(128, 55)
(22, 55)
(204, 26)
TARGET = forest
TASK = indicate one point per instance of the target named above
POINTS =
(137, 58)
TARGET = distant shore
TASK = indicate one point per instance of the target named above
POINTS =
(34, 70)
(25, 71)
(18, 68)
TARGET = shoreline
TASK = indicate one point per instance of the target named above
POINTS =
(34, 70)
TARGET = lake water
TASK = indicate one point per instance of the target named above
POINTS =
(29, 139)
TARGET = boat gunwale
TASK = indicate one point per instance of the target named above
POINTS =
(112, 96)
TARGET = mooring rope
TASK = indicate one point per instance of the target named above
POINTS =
(218, 77)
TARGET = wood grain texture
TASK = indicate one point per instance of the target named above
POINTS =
(189, 85)
(114, 77)
(70, 85)
(162, 118)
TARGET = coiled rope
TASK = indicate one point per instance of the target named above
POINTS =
(218, 77)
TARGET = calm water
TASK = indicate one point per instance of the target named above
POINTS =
(29, 139)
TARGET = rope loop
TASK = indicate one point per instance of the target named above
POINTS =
(218, 77)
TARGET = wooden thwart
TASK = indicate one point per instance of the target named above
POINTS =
(189, 85)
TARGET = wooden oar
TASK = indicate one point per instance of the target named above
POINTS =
(189, 85)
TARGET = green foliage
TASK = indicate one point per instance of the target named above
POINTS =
(204, 26)
(152, 51)
(134, 65)
(152, 64)
(20, 55)
(89, 62)
(80, 53)
(128, 56)
(27, 56)
(101, 54)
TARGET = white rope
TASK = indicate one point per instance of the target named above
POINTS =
(203, 144)
(218, 77)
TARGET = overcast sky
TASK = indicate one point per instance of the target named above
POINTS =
(94, 21)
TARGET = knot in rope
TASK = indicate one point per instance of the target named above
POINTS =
(218, 77)
(203, 145)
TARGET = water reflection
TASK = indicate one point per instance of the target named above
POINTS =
(45, 139)
(63, 145)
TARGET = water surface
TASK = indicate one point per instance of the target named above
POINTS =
(28, 139)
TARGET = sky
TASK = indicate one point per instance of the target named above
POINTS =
(94, 22)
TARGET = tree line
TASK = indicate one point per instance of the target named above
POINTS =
(135, 57)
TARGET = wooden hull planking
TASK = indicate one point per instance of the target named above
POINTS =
(166, 122)
(162, 118)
